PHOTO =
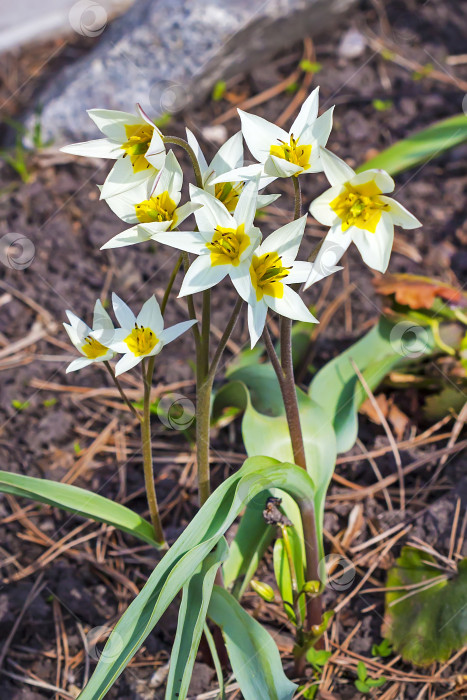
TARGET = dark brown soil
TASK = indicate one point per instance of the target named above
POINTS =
(90, 584)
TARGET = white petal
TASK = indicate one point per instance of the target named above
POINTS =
(112, 122)
(332, 249)
(150, 316)
(202, 275)
(300, 272)
(285, 241)
(122, 178)
(124, 314)
(229, 156)
(279, 167)
(193, 142)
(98, 148)
(72, 334)
(156, 151)
(241, 280)
(212, 214)
(79, 363)
(257, 313)
(185, 211)
(335, 169)
(246, 206)
(133, 235)
(318, 132)
(189, 241)
(80, 327)
(171, 178)
(117, 341)
(320, 209)
(248, 172)
(127, 362)
(144, 116)
(400, 215)
(307, 115)
(169, 334)
(381, 178)
(375, 248)
(260, 135)
(291, 306)
(101, 318)
(123, 204)
(264, 200)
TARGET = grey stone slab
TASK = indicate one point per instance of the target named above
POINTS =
(167, 54)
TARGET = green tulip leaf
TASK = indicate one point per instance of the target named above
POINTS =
(421, 146)
(79, 501)
(254, 656)
(181, 562)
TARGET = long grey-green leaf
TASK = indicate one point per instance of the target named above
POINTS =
(80, 501)
(183, 558)
(254, 656)
(421, 146)
(191, 620)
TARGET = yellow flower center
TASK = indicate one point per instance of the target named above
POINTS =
(93, 349)
(228, 193)
(141, 341)
(267, 273)
(138, 139)
(227, 245)
(359, 206)
(293, 153)
(158, 208)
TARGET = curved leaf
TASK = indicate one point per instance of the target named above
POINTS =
(191, 620)
(421, 146)
(184, 557)
(80, 501)
(254, 656)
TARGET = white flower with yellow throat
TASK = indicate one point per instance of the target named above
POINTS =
(140, 336)
(357, 210)
(133, 140)
(281, 153)
(151, 210)
(273, 267)
(81, 336)
(224, 243)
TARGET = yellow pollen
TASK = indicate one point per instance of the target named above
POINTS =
(228, 193)
(138, 139)
(360, 206)
(93, 349)
(158, 208)
(293, 153)
(267, 273)
(227, 245)
(141, 341)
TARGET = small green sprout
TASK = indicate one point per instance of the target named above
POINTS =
(364, 683)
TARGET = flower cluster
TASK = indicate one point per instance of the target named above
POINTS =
(144, 190)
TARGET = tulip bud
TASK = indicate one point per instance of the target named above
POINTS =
(263, 589)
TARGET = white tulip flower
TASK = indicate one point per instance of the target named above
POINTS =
(133, 140)
(272, 268)
(282, 154)
(224, 243)
(356, 209)
(153, 211)
(140, 336)
(80, 335)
